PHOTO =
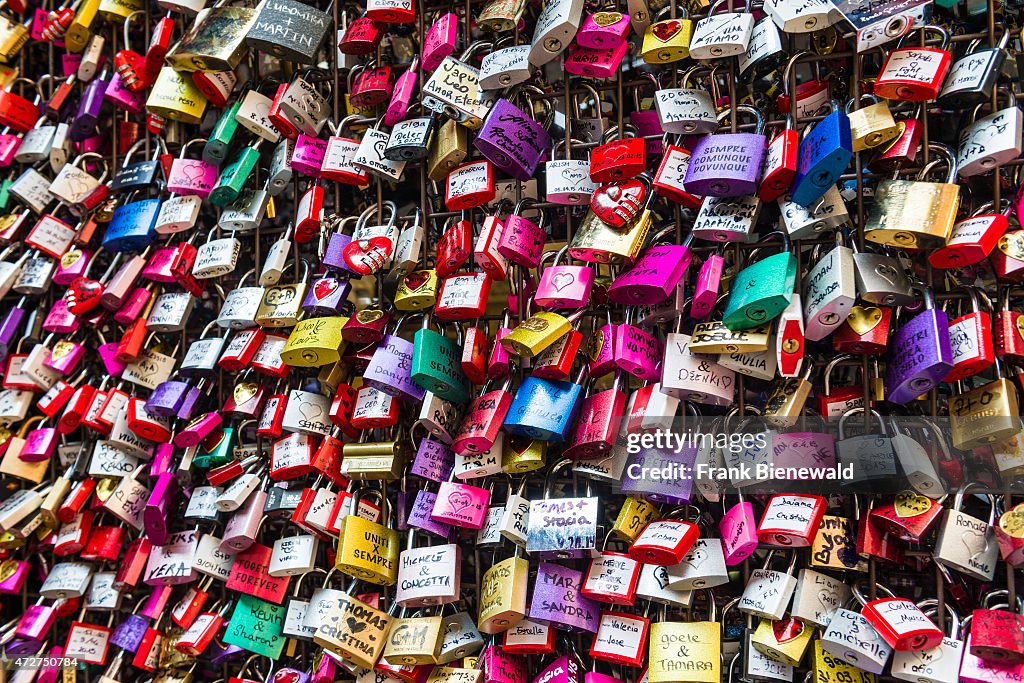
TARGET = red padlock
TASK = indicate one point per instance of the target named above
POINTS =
(470, 185)
(971, 339)
(780, 164)
(240, 349)
(454, 248)
(971, 240)
(617, 159)
(915, 74)
(791, 520)
(909, 517)
(371, 87)
(668, 180)
(474, 354)
(901, 623)
(361, 37)
(308, 213)
(664, 541)
(611, 577)
(902, 151)
(463, 296)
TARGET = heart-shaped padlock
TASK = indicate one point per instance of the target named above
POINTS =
(618, 204)
(367, 256)
(83, 295)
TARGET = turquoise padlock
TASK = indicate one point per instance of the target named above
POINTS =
(762, 290)
(437, 364)
(132, 227)
(233, 176)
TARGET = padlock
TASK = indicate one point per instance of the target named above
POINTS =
(665, 40)
(915, 74)
(965, 543)
(871, 126)
(907, 378)
(721, 35)
(972, 239)
(972, 76)
(728, 164)
(990, 141)
(850, 637)
(773, 278)
(829, 290)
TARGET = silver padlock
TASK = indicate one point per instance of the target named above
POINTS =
(505, 67)
(817, 597)
(303, 106)
(965, 543)
(177, 214)
(851, 638)
(686, 110)
(277, 259)
(990, 141)
(556, 25)
(240, 305)
(170, 312)
(216, 258)
(727, 219)
(828, 213)
(881, 279)
(768, 592)
(703, 567)
(690, 377)
(830, 290)
(722, 35)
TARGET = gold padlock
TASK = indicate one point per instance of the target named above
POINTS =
(634, 515)
(687, 652)
(12, 465)
(417, 290)
(355, 631)
(598, 242)
(788, 398)
(414, 640)
(830, 669)
(522, 454)
(871, 126)
(175, 96)
(500, 16)
(783, 641)
(368, 550)
(281, 305)
(79, 31)
(667, 40)
(914, 213)
(714, 337)
(118, 10)
(315, 342)
(450, 148)
(216, 41)
(503, 595)
(375, 460)
(13, 36)
(984, 415)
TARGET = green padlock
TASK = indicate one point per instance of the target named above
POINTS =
(437, 364)
(219, 143)
(762, 290)
(232, 178)
(256, 625)
(5, 196)
(216, 449)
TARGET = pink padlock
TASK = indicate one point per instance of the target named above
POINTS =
(73, 264)
(602, 30)
(197, 430)
(601, 349)
(637, 351)
(440, 41)
(564, 286)
(709, 280)
(653, 277)
(69, 62)
(158, 266)
(738, 529)
(108, 354)
(133, 306)
(65, 356)
(401, 97)
(40, 444)
(15, 579)
(9, 146)
(60, 320)
(499, 362)
(35, 623)
(522, 241)
(123, 98)
(603, 63)
(461, 505)
(308, 155)
(192, 176)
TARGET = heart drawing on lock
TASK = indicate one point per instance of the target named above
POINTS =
(324, 288)
(786, 630)
(70, 258)
(695, 558)
(416, 279)
(310, 410)
(290, 676)
(827, 599)
(666, 30)
(1012, 521)
(193, 170)
(459, 500)
(378, 149)
(354, 625)
(562, 280)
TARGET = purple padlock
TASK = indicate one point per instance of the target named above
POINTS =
(22, 647)
(920, 355)
(123, 98)
(133, 306)
(390, 369)
(557, 599)
(129, 633)
(190, 403)
(166, 398)
(59, 319)
(84, 123)
(727, 164)
(73, 264)
(10, 325)
(512, 141)
(308, 155)
(653, 277)
(434, 460)
(637, 351)
(419, 515)
(326, 296)
(221, 653)
(334, 255)
(40, 444)
(158, 507)
(668, 490)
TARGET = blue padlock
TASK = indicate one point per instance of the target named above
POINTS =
(544, 409)
(824, 155)
(133, 226)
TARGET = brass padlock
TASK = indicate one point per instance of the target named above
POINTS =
(871, 126)
(986, 414)
(368, 550)
(503, 594)
(451, 145)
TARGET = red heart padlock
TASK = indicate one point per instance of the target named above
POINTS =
(619, 203)
(666, 30)
(324, 288)
(369, 255)
(57, 24)
(83, 295)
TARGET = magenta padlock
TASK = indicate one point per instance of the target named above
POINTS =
(123, 98)
(481, 426)
(9, 146)
(198, 429)
(512, 140)
(738, 529)
(308, 155)
(65, 357)
(129, 633)
(15, 578)
(500, 666)
(59, 319)
(158, 266)
(401, 97)
(803, 449)
(433, 460)
(653, 277)
(602, 30)
(439, 42)
(40, 444)
(564, 286)
(419, 515)
(522, 240)
(157, 601)
(595, 63)
(565, 669)
(597, 426)
(194, 177)
(166, 399)
(601, 350)
(158, 507)
(37, 620)
(69, 62)
(93, 144)
(637, 351)
(290, 675)
(108, 354)
(500, 361)
(557, 599)
(163, 460)
(461, 505)
(727, 164)
(73, 264)
(920, 355)
(705, 294)
(325, 669)
(133, 306)
(328, 295)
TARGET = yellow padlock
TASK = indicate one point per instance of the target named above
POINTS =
(368, 550)
(315, 342)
